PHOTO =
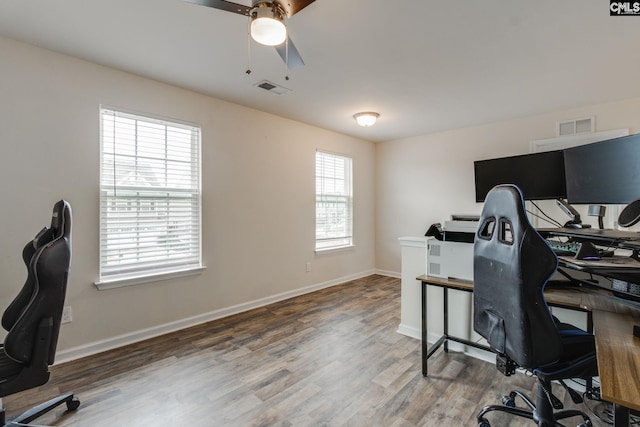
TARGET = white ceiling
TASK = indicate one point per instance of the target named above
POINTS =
(424, 65)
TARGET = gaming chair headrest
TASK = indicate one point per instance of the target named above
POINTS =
(60, 224)
(61, 219)
(505, 204)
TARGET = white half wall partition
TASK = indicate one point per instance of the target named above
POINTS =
(414, 263)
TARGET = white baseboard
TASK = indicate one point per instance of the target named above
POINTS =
(388, 273)
(413, 332)
(133, 337)
(485, 355)
(409, 331)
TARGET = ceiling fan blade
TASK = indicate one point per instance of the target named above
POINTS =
(294, 60)
(291, 7)
(224, 5)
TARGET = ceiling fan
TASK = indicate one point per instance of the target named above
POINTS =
(267, 23)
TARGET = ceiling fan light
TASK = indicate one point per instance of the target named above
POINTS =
(267, 26)
(366, 119)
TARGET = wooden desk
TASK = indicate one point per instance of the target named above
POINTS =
(618, 353)
(610, 318)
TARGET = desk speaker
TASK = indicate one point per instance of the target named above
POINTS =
(630, 215)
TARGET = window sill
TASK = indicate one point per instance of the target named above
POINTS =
(336, 249)
(138, 280)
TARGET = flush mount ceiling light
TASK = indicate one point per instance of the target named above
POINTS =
(366, 119)
(267, 24)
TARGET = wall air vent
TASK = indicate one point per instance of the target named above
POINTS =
(272, 87)
(572, 127)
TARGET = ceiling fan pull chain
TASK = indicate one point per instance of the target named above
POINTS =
(286, 57)
(248, 47)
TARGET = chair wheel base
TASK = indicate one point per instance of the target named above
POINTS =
(25, 418)
(544, 417)
(73, 404)
(509, 401)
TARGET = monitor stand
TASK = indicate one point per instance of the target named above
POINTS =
(575, 221)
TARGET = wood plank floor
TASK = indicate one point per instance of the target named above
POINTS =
(332, 357)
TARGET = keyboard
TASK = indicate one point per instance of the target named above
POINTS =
(564, 248)
(572, 248)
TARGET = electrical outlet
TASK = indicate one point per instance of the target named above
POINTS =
(308, 266)
(67, 314)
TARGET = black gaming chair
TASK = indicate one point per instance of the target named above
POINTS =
(512, 264)
(33, 318)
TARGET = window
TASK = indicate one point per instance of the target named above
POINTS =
(334, 201)
(149, 197)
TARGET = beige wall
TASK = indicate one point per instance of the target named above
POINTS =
(425, 179)
(258, 194)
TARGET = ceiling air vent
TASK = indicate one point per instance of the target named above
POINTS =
(272, 87)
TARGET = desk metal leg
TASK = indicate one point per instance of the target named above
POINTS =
(589, 384)
(424, 329)
(620, 416)
(427, 351)
(445, 297)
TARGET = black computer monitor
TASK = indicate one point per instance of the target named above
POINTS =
(540, 176)
(606, 172)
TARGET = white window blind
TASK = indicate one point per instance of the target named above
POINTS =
(334, 201)
(149, 196)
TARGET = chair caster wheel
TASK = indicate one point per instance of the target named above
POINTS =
(484, 423)
(508, 401)
(73, 404)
